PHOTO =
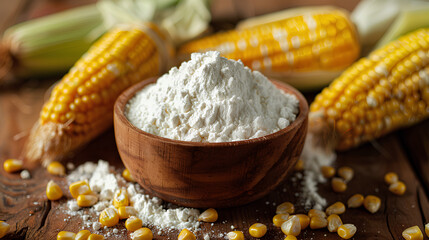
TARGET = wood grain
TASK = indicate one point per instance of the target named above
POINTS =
(209, 174)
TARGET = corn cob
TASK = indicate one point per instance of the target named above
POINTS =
(80, 105)
(306, 47)
(48, 45)
(387, 90)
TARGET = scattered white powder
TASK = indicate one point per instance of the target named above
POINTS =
(212, 99)
(105, 183)
(314, 158)
(25, 174)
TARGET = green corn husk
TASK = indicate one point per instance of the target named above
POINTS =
(48, 45)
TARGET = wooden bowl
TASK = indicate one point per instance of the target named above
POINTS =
(196, 174)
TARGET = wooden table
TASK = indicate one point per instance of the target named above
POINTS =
(23, 203)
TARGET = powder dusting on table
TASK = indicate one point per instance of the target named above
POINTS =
(105, 182)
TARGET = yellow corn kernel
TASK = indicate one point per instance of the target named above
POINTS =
(338, 185)
(235, 235)
(95, 237)
(299, 166)
(336, 208)
(355, 201)
(317, 222)
(56, 168)
(142, 234)
(279, 219)
(185, 234)
(316, 213)
(286, 207)
(86, 200)
(304, 220)
(126, 212)
(427, 229)
(127, 175)
(53, 191)
(4, 228)
(346, 231)
(292, 226)
(290, 237)
(12, 165)
(109, 217)
(334, 222)
(412, 233)
(327, 171)
(82, 235)
(121, 198)
(372, 203)
(390, 178)
(346, 173)
(133, 223)
(79, 188)
(64, 235)
(257, 230)
(209, 215)
(398, 188)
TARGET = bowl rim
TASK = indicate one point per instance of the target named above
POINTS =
(125, 96)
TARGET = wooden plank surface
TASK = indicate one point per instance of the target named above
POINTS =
(23, 203)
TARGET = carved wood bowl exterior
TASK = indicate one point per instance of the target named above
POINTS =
(202, 175)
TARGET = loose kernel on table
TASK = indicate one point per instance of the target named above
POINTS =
(86, 200)
(290, 237)
(304, 220)
(299, 166)
(346, 173)
(334, 222)
(327, 171)
(79, 188)
(4, 228)
(346, 231)
(210, 215)
(355, 201)
(56, 168)
(64, 235)
(109, 217)
(398, 188)
(286, 207)
(316, 212)
(336, 208)
(235, 235)
(142, 234)
(338, 184)
(82, 235)
(391, 177)
(53, 191)
(126, 212)
(133, 223)
(127, 175)
(279, 219)
(292, 226)
(185, 234)
(318, 222)
(257, 230)
(427, 229)
(412, 233)
(95, 237)
(372, 203)
(12, 165)
(120, 198)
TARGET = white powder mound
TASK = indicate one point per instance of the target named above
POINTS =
(212, 99)
(105, 183)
